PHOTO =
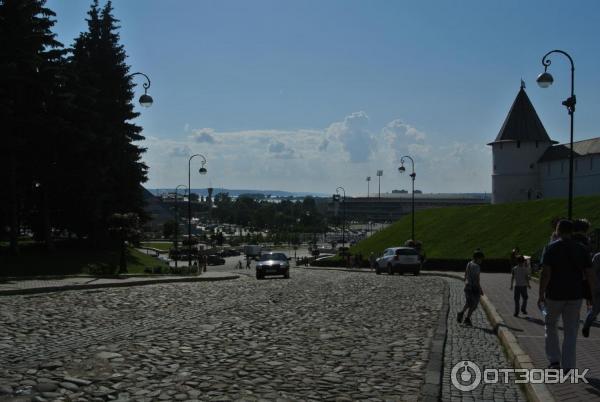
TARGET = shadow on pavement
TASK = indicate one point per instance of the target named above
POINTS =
(594, 387)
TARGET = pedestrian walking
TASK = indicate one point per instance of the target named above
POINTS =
(200, 262)
(421, 251)
(520, 279)
(473, 291)
(205, 262)
(564, 263)
(593, 312)
(372, 260)
(513, 256)
(248, 264)
(239, 264)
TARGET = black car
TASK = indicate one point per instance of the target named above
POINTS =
(272, 264)
(214, 260)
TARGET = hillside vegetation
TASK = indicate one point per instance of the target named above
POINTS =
(455, 232)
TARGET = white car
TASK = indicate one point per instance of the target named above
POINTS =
(399, 260)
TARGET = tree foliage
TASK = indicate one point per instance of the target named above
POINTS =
(69, 156)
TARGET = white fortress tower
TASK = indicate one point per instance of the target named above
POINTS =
(521, 142)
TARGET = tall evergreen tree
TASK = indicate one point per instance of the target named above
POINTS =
(30, 61)
(112, 169)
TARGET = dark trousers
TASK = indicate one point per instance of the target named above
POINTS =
(520, 292)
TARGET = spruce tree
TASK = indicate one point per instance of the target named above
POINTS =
(112, 167)
(30, 61)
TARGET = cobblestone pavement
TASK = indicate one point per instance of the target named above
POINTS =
(478, 344)
(322, 335)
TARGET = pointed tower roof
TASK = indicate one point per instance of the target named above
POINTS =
(522, 122)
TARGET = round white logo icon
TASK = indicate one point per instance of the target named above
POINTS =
(466, 376)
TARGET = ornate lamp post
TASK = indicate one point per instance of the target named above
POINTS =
(402, 169)
(145, 100)
(202, 171)
(544, 80)
(177, 223)
(336, 198)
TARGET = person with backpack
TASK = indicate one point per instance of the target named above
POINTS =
(564, 264)
(473, 291)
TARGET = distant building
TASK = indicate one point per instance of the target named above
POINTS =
(392, 207)
(528, 165)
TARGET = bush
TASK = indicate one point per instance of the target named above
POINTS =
(155, 270)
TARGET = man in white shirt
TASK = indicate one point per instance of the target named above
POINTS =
(520, 280)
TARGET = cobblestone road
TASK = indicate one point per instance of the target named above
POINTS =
(478, 344)
(321, 335)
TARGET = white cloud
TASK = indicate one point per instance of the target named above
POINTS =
(405, 139)
(317, 159)
(180, 151)
(203, 135)
(281, 150)
(354, 136)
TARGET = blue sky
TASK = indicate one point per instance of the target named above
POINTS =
(310, 95)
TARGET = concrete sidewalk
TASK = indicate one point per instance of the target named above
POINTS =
(15, 286)
(529, 331)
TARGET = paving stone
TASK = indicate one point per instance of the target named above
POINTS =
(317, 336)
(478, 344)
(107, 355)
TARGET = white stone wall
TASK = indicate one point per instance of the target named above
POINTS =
(554, 177)
(515, 173)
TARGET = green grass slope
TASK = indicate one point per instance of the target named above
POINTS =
(456, 231)
(34, 260)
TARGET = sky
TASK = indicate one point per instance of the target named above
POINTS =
(309, 95)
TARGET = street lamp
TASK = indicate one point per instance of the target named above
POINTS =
(336, 197)
(368, 185)
(177, 223)
(402, 169)
(544, 80)
(202, 171)
(379, 174)
(145, 100)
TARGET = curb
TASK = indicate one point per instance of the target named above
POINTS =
(431, 390)
(51, 289)
(343, 269)
(515, 354)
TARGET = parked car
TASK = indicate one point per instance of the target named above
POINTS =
(229, 253)
(215, 260)
(399, 260)
(273, 264)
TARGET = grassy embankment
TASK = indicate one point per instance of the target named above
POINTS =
(68, 259)
(455, 232)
